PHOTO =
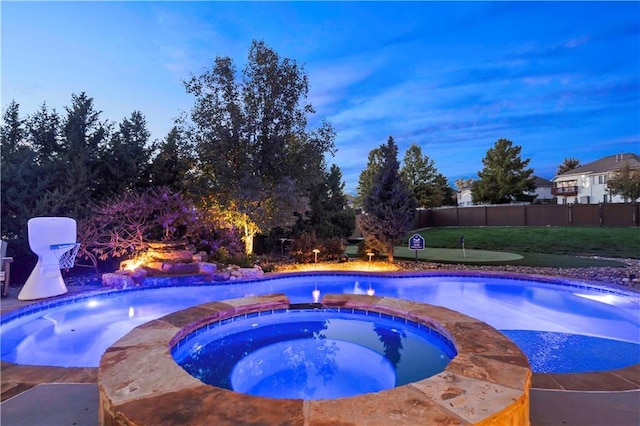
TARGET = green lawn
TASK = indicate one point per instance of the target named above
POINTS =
(573, 241)
(561, 247)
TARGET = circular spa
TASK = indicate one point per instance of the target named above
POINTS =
(313, 353)
(255, 345)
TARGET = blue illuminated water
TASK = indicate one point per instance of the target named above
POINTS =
(76, 334)
(313, 354)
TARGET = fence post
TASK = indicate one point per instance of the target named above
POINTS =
(600, 213)
(570, 213)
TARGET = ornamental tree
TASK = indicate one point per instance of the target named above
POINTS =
(626, 183)
(389, 207)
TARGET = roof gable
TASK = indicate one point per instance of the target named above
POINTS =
(603, 165)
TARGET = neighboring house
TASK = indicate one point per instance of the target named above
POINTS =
(464, 198)
(588, 184)
(542, 193)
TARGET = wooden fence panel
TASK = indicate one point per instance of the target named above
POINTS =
(610, 214)
(548, 215)
(620, 214)
(585, 214)
(472, 216)
(506, 215)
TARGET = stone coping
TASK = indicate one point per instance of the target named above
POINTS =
(487, 383)
(18, 378)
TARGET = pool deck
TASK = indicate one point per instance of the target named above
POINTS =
(611, 398)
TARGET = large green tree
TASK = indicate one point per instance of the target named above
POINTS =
(626, 183)
(429, 187)
(256, 156)
(389, 207)
(505, 177)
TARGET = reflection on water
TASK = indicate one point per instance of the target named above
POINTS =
(312, 355)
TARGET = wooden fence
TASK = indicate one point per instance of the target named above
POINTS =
(609, 214)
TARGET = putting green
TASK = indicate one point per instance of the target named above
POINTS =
(449, 255)
(456, 255)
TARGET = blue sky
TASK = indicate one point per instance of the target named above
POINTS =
(559, 79)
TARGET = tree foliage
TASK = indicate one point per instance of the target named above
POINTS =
(505, 177)
(389, 207)
(366, 178)
(329, 214)
(56, 165)
(567, 165)
(463, 184)
(172, 162)
(626, 183)
(124, 162)
(429, 187)
(250, 133)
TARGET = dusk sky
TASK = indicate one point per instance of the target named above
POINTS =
(559, 79)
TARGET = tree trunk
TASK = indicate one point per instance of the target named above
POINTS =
(248, 239)
(390, 253)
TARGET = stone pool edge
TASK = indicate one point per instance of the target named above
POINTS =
(488, 382)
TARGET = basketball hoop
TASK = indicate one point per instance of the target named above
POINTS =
(66, 254)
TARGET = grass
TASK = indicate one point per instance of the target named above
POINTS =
(560, 247)
(572, 241)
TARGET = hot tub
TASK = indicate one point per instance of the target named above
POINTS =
(486, 383)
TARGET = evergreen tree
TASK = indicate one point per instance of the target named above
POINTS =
(17, 177)
(448, 194)
(423, 178)
(328, 215)
(365, 181)
(125, 161)
(567, 165)
(504, 177)
(172, 163)
(389, 208)
(84, 138)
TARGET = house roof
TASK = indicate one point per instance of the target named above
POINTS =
(541, 182)
(603, 165)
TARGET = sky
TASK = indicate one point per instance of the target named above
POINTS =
(559, 79)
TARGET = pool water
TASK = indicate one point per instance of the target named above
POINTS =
(313, 354)
(571, 353)
(76, 332)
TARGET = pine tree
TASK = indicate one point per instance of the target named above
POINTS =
(389, 207)
(504, 177)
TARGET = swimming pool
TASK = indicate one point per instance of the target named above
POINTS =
(75, 332)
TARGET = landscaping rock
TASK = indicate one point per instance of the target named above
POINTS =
(118, 281)
(207, 268)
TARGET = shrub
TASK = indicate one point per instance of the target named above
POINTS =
(332, 248)
(302, 247)
(124, 226)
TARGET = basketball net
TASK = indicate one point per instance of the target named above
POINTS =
(66, 254)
